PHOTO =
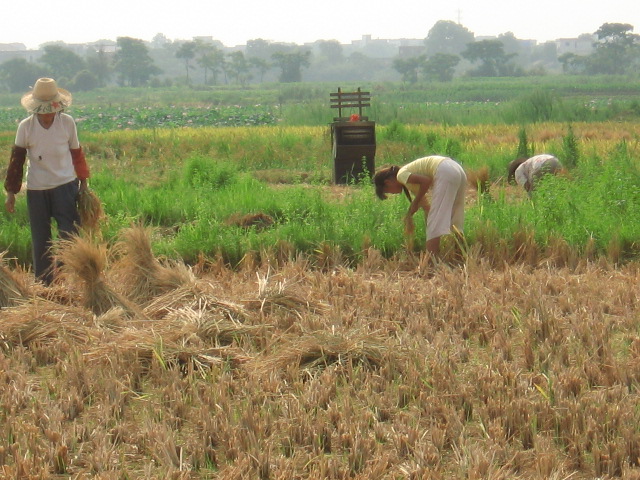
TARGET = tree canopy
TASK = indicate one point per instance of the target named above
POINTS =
(132, 63)
(448, 37)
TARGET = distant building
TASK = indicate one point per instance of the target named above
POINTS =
(582, 45)
(9, 51)
(12, 47)
(106, 46)
(374, 48)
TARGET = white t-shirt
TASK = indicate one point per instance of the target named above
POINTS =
(425, 166)
(49, 158)
(532, 168)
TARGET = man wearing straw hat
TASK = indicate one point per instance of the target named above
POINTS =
(57, 170)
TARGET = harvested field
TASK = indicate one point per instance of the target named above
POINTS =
(390, 370)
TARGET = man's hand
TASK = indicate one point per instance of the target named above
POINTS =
(84, 186)
(10, 202)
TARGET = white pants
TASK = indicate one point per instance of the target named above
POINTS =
(447, 199)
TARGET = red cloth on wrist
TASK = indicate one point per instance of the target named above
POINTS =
(15, 171)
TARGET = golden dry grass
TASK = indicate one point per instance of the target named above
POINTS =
(90, 210)
(139, 273)
(13, 288)
(526, 371)
(479, 179)
(84, 261)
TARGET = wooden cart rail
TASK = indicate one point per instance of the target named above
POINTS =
(346, 100)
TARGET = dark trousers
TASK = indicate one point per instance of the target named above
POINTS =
(60, 204)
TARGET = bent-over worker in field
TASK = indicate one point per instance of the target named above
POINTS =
(448, 182)
(527, 171)
(56, 170)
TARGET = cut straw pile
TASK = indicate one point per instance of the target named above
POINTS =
(85, 260)
(13, 291)
(196, 297)
(479, 179)
(282, 295)
(213, 327)
(41, 322)
(90, 210)
(174, 341)
(319, 350)
(142, 274)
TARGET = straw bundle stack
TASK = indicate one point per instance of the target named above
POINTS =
(141, 273)
(213, 328)
(479, 179)
(282, 295)
(90, 210)
(320, 350)
(13, 290)
(162, 342)
(84, 260)
(41, 322)
(197, 298)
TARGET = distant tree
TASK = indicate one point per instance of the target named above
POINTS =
(441, 67)
(211, 59)
(572, 63)
(616, 50)
(545, 54)
(84, 81)
(408, 68)
(331, 51)
(133, 64)
(19, 75)
(238, 68)
(510, 43)
(159, 40)
(260, 48)
(187, 52)
(100, 64)
(60, 62)
(361, 63)
(519, 49)
(260, 65)
(447, 37)
(490, 53)
(291, 64)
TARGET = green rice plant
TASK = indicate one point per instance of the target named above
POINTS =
(595, 205)
(309, 112)
(523, 145)
(570, 149)
(200, 171)
(178, 180)
(534, 107)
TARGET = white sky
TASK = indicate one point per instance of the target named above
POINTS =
(233, 22)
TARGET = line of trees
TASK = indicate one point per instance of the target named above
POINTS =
(133, 64)
(130, 64)
(449, 49)
(616, 50)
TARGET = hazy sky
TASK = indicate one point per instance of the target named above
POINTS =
(233, 22)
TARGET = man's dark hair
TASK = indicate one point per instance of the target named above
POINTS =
(513, 166)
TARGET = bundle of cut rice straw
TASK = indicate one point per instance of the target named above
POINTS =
(90, 210)
(86, 260)
(13, 290)
(141, 273)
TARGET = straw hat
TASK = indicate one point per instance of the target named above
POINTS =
(46, 97)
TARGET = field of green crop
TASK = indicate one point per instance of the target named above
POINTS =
(196, 184)
(193, 163)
